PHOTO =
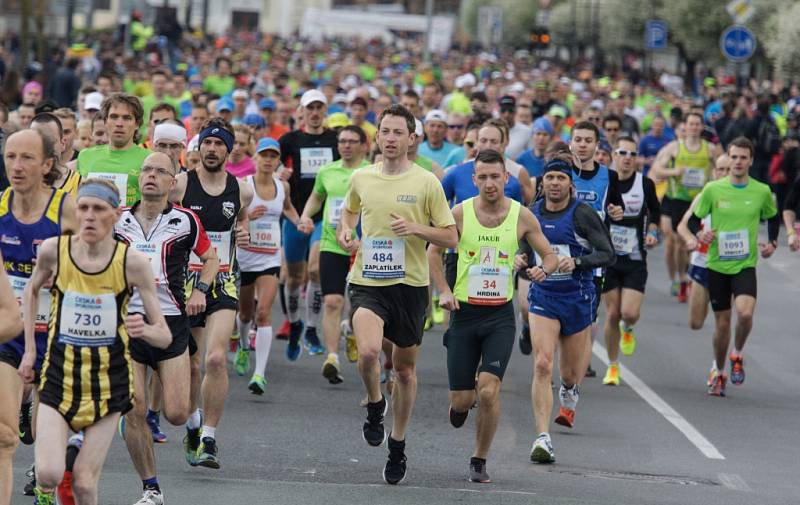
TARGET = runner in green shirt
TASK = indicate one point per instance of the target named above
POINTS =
(736, 204)
(120, 160)
(222, 82)
(330, 186)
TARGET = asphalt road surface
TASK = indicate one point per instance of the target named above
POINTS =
(656, 439)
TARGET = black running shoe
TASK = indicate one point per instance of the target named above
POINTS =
(28, 490)
(477, 471)
(457, 419)
(25, 429)
(207, 454)
(373, 430)
(590, 372)
(395, 470)
(525, 346)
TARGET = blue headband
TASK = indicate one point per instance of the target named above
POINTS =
(95, 189)
(221, 133)
(557, 165)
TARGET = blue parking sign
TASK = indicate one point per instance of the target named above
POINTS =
(737, 43)
(655, 35)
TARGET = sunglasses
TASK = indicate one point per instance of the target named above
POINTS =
(469, 143)
(456, 126)
(623, 152)
(611, 129)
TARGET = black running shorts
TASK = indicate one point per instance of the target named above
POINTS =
(402, 308)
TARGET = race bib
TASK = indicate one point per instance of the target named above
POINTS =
(18, 284)
(221, 242)
(561, 250)
(88, 320)
(383, 258)
(488, 285)
(733, 245)
(153, 253)
(693, 178)
(119, 180)
(312, 159)
(265, 236)
(624, 239)
(335, 211)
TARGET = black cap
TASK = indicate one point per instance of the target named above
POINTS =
(507, 102)
(46, 106)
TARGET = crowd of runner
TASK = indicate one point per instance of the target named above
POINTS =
(150, 221)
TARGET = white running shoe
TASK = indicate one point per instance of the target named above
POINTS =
(542, 450)
(151, 497)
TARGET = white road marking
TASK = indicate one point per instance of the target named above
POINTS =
(734, 481)
(662, 407)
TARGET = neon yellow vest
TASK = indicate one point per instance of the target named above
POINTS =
(691, 182)
(486, 258)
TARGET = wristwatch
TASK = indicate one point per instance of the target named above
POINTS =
(578, 262)
(202, 287)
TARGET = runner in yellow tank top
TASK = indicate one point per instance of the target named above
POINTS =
(687, 166)
(482, 330)
(86, 379)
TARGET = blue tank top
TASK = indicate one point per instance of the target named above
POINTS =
(560, 232)
(19, 244)
(594, 192)
(458, 185)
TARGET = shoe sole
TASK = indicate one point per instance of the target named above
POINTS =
(541, 456)
(332, 374)
(563, 421)
(255, 389)
(611, 383)
(480, 481)
(394, 483)
(214, 465)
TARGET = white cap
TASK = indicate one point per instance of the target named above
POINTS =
(93, 101)
(418, 130)
(241, 93)
(169, 131)
(436, 115)
(194, 144)
(465, 80)
(340, 98)
(597, 104)
(311, 96)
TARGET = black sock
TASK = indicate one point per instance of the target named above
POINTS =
(474, 460)
(283, 298)
(72, 455)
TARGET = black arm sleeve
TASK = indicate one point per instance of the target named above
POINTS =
(774, 227)
(614, 194)
(651, 200)
(694, 223)
(589, 226)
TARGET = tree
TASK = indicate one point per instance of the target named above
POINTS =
(782, 43)
(518, 19)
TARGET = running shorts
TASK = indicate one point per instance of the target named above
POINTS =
(721, 287)
(479, 339)
(400, 306)
(146, 354)
(626, 273)
(333, 270)
(296, 244)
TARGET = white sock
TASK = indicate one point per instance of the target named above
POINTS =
(244, 333)
(569, 396)
(313, 304)
(194, 420)
(292, 303)
(263, 345)
(209, 431)
(335, 356)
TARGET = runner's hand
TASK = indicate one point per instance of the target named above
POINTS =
(615, 212)
(536, 274)
(134, 323)
(520, 262)
(196, 304)
(306, 225)
(566, 264)
(347, 241)
(242, 237)
(706, 236)
(257, 212)
(767, 250)
(448, 302)
(691, 244)
(401, 227)
(25, 369)
(794, 242)
(650, 241)
(285, 174)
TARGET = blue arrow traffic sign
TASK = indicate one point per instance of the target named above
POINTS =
(655, 35)
(737, 43)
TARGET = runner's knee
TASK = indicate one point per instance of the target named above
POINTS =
(630, 314)
(405, 374)
(216, 361)
(462, 400)
(488, 391)
(543, 364)
(263, 316)
(9, 439)
(84, 483)
(334, 303)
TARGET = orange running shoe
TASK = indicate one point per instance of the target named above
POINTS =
(566, 417)
(683, 295)
(737, 370)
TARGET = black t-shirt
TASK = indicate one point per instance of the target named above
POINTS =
(305, 154)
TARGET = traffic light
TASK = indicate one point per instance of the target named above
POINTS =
(540, 39)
